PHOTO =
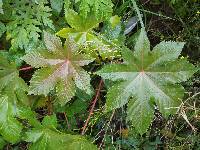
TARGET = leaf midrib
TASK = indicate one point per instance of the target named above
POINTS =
(143, 75)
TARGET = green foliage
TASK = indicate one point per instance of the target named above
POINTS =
(2, 28)
(61, 68)
(149, 77)
(12, 96)
(82, 32)
(1, 10)
(82, 23)
(80, 27)
(113, 30)
(100, 9)
(24, 21)
(57, 5)
(48, 137)
(2, 143)
(10, 127)
(10, 82)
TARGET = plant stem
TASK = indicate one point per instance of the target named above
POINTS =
(93, 105)
(25, 68)
(68, 125)
(138, 13)
(49, 106)
(108, 125)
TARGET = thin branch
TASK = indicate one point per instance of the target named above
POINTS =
(108, 125)
(93, 105)
(49, 106)
(146, 2)
(25, 68)
(68, 125)
(138, 13)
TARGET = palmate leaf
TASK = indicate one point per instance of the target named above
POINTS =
(48, 137)
(60, 69)
(12, 94)
(80, 24)
(147, 78)
(82, 32)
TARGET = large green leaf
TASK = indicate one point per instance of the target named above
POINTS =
(147, 78)
(48, 138)
(2, 143)
(60, 68)
(12, 93)
(10, 82)
(82, 32)
(10, 128)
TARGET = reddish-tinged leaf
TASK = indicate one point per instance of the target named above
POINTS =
(60, 67)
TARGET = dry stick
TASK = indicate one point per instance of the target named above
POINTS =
(93, 105)
(68, 125)
(146, 2)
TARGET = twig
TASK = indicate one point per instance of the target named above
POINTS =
(157, 14)
(196, 94)
(49, 106)
(68, 125)
(92, 107)
(25, 68)
(183, 114)
(146, 2)
(138, 13)
(107, 129)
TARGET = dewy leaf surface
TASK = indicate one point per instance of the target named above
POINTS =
(48, 137)
(12, 93)
(147, 77)
(60, 68)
